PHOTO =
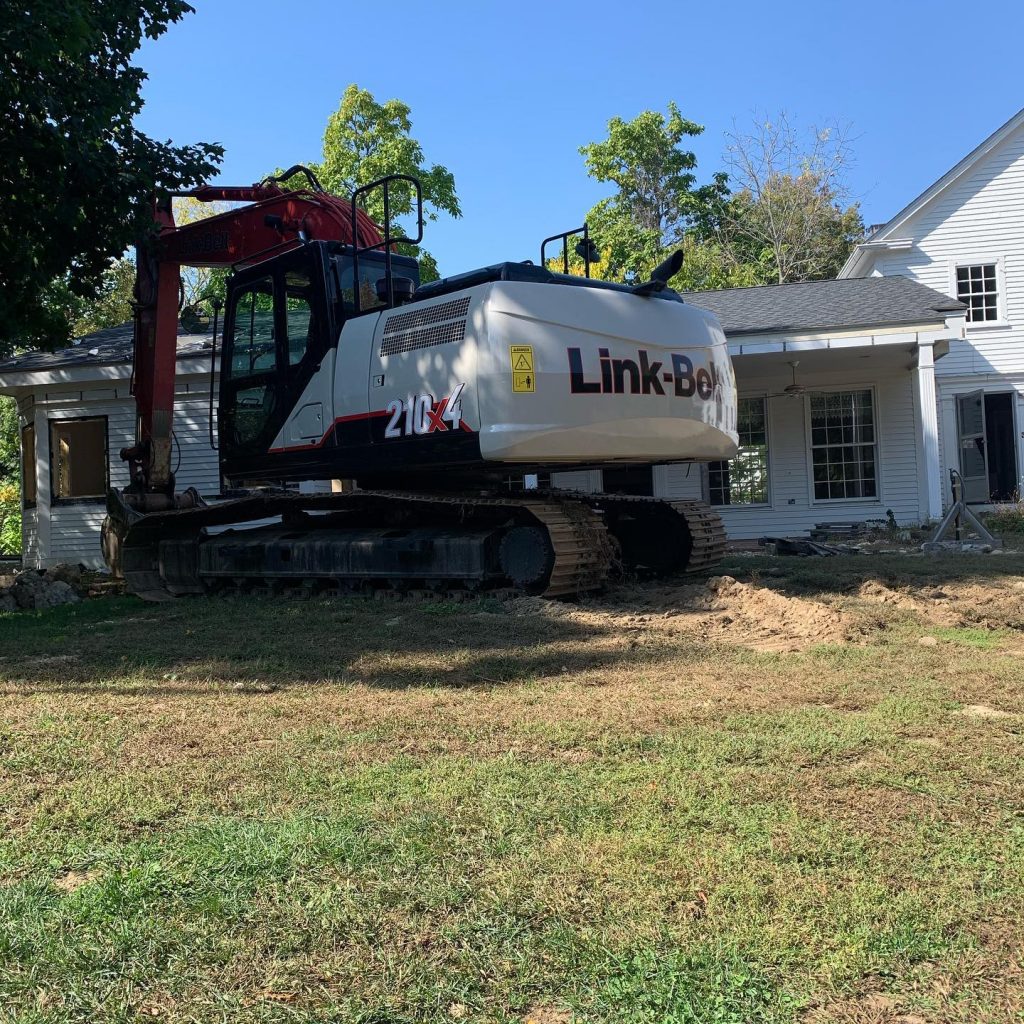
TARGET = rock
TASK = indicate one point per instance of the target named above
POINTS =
(7, 603)
(927, 641)
(721, 583)
(32, 589)
(56, 593)
(64, 573)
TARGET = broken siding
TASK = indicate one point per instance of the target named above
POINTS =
(975, 220)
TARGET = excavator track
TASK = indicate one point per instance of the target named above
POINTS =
(552, 546)
(551, 543)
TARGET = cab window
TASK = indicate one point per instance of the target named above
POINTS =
(253, 343)
(299, 320)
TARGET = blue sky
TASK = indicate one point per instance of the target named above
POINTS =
(505, 93)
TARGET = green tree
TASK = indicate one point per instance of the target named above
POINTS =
(366, 140)
(113, 305)
(80, 173)
(10, 491)
(790, 214)
(657, 201)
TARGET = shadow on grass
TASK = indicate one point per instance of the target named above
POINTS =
(123, 646)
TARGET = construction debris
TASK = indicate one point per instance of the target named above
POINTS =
(41, 588)
(800, 546)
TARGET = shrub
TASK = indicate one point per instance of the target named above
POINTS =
(10, 519)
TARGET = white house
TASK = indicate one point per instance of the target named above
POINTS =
(76, 414)
(853, 439)
(964, 235)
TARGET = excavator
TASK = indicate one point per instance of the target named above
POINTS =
(336, 363)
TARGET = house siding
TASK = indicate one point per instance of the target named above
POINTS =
(975, 220)
(74, 526)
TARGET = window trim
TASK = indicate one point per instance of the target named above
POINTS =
(95, 499)
(977, 261)
(770, 503)
(25, 503)
(809, 447)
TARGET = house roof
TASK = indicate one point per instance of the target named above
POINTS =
(101, 348)
(858, 258)
(769, 309)
(825, 305)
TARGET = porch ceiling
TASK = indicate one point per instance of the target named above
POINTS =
(856, 360)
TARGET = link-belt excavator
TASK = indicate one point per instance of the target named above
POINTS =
(336, 363)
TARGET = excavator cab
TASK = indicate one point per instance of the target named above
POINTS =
(282, 316)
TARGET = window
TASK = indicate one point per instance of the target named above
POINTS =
(743, 480)
(843, 445)
(976, 286)
(253, 348)
(28, 465)
(298, 317)
(78, 458)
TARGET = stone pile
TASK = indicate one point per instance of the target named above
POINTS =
(41, 588)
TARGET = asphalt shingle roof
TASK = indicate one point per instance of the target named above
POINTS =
(102, 348)
(770, 309)
(825, 305)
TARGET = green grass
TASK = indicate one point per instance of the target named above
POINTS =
(260, 810)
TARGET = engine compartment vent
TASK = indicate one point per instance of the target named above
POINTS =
(424, 328)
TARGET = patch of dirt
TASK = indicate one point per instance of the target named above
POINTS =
(996, 604)
(984, 711)
(547, 1015)
(723, 609)
(72, 880)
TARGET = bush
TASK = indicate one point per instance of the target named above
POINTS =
(1007, 519)
(10, 519)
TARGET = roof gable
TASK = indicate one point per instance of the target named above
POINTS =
(889, 230)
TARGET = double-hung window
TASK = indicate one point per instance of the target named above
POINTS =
(844, 445)
(743, 480)
(978, 286)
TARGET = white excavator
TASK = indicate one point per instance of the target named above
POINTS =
(336, 363)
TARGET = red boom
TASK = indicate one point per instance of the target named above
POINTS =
(274, 222)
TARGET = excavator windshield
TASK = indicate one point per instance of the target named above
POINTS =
(366, 296)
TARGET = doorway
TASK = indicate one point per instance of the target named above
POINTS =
(988, 446)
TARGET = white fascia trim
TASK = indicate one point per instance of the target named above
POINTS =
(766, 345)
(88, 374)
(862, 257)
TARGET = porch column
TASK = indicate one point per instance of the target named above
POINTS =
(928, 428)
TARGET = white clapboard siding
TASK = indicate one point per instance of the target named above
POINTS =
(73, 527)
(976, 219)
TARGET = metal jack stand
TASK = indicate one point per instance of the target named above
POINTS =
(958, 514)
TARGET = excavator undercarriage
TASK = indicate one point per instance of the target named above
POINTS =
(550, 543)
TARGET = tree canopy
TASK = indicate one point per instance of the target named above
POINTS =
(365, 140)
(82, 173)
(656, 199)
(777, 213)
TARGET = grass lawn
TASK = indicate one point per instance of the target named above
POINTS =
(631, 809)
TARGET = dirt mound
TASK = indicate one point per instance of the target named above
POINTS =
(757, 616)
(997, 604)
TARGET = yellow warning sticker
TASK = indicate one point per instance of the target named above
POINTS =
(523, 377)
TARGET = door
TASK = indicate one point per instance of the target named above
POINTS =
(970, 412)
(276, 331)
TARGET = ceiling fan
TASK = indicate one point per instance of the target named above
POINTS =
(795, 389)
